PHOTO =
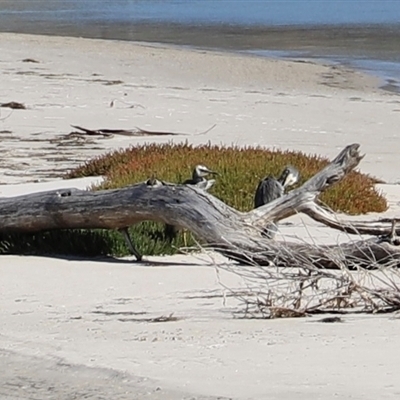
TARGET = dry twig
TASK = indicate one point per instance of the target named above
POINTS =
(126, 132)
(303, 289)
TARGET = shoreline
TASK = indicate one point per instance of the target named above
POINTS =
(350, 45)
(367, 80)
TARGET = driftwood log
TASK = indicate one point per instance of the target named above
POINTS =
(234, 234)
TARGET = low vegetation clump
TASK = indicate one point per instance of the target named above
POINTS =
(240, 169)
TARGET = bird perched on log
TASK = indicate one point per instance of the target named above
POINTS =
(270, 189)
(198, 179)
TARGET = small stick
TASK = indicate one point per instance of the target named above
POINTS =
(130, 245)
(393, 231)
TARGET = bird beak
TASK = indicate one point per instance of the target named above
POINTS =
(212, 172)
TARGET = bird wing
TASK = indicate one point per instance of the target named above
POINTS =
(267, 190)
(209, 184)
(203, 184)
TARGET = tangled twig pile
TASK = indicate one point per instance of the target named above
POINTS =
(303, 289)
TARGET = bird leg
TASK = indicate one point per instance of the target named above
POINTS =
(130, 245)
(393, 238)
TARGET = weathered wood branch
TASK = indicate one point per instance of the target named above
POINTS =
(124, 132)
(233, 233)
(300, 198)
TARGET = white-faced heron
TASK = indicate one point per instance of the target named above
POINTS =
(270, 189)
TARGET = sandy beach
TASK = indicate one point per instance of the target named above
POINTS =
(75, 328)
(251, 101)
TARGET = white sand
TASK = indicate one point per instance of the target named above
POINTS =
(253, 101)
(81, 312)
(68, 326)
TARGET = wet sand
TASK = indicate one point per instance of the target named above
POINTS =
(367, 41)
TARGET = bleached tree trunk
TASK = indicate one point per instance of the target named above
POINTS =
(228, 231)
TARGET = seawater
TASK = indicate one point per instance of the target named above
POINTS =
(361, 33)
(235, 12)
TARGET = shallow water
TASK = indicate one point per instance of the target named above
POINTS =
(361, 33)
(235, 12)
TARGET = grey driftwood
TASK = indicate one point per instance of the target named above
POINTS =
(216, 225)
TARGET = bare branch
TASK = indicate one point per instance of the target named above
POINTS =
(234, 234)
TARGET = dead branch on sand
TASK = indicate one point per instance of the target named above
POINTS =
(301, 289)
(109, 133)
(313, 277)
(235, 234)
